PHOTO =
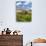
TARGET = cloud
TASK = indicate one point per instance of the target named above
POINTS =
(23, 5)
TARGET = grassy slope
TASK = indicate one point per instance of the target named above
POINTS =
(24, 16)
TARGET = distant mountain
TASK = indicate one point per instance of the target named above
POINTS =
(23, 5)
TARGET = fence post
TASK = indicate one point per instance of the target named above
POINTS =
(31, 43)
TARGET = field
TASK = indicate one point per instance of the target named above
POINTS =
(23, 15)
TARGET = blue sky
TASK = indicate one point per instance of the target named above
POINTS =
(25, 5)
(24, 0)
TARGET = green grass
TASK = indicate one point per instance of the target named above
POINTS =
(24, 16)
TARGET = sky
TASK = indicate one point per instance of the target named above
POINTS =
(24, 0)
(31, 30)
(25, 5)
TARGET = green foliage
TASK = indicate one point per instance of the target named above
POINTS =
(24, 16)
